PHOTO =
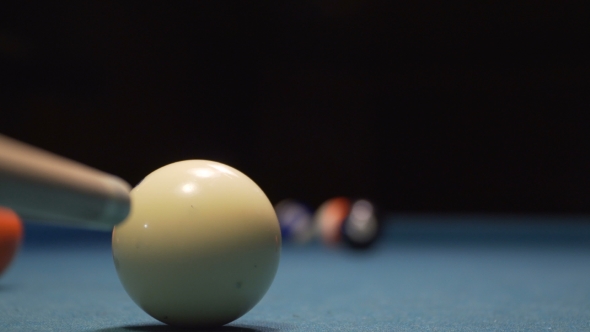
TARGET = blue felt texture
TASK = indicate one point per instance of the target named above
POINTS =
(414, 280)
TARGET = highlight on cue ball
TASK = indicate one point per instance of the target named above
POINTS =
(201, 245)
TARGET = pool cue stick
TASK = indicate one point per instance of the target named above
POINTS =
(44, 187)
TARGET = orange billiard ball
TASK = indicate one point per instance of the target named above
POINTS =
(11, 234)
(330, 217)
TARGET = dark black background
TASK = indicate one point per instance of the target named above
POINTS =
(422, 106)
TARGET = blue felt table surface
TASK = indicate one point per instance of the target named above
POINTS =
(507, 277)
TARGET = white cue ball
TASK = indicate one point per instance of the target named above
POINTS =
(201, 245)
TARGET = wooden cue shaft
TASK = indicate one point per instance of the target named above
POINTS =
(41, 186)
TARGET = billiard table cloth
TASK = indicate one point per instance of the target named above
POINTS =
(428, 273)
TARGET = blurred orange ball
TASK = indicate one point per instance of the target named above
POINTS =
(329, 217)
(11, 234)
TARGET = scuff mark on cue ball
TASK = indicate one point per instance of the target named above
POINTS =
(116, 263)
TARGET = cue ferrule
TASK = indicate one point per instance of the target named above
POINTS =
(41, 186)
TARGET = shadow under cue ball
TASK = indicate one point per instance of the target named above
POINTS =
(201, 245)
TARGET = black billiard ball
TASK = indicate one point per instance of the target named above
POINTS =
(362, 227)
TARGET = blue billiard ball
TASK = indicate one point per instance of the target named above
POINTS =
(295, 220)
